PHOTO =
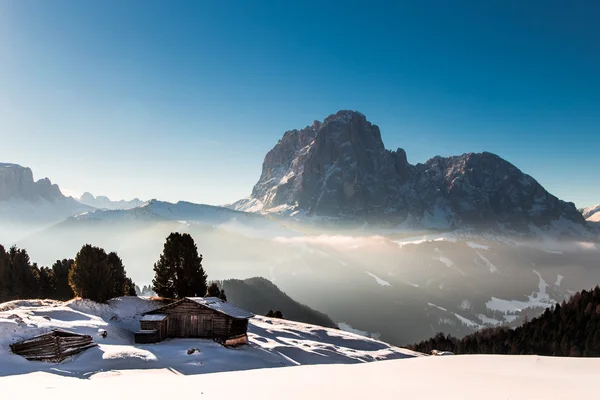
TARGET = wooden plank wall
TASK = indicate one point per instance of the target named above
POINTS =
(160, 326)
(189, 319)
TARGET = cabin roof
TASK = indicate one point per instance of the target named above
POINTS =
(153, 317)
(213, 303)
(221, 306)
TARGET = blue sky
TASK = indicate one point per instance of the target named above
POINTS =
(182, 100)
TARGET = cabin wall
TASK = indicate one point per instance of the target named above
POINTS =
(192, 320)
(159, 326)
(188, 320)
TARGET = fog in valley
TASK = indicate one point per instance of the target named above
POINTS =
(400, 286)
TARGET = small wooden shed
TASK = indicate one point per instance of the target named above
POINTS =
(195, 317)
(53, 346)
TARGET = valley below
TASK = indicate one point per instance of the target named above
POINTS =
(400, 286)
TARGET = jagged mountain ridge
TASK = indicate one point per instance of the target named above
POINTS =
(104, 202)
(27, 205)
(16, 182)
(340, 169)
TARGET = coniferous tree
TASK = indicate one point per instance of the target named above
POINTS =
(90, 276)
(45, 279)
(215, 291)
(118, 278)
(60, 272)
(178, 272)
(129, 289)
(4, 274)
(19, 278)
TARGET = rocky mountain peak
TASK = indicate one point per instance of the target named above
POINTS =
(16, 182)
(339, 168)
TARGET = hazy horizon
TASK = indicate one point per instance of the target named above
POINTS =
(182, 102)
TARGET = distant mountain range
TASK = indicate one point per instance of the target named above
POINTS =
(27, 205)
(104, 202)
(339, 169)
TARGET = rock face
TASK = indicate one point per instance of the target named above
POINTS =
(104, 202)
(340, 169)
(17, 182)
(27, 205)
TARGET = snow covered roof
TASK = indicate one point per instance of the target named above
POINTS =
(221, 306)
(153, 317)
(213, 303)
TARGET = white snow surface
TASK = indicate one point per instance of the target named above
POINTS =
(471, 377)
(474, 245)
(493, 269)
(315, 358)
(378, 279)
(539, 299)
(592, 213)
(272, 342)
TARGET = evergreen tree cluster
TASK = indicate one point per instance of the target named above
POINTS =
(93, 274)
(99, 276)
(145, 291)
(178, 272)
(274, 314)
(568, 329)
(215, 291)
(22, 279)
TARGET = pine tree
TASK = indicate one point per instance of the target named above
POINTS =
(19, 277)
(213, 290)
(4, 274)
(90, 276)
(178, 272)
(45, 283)
(60, 272)
(118, 278)
(130, 288)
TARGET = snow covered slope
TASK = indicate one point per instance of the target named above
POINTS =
(273, 342)
(592, 213)
(454, 377)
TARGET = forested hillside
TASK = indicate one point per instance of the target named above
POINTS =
(568, 329)
(260, 295)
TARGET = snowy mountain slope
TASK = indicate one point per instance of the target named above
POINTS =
(591, 213)
(340, 169)
(273, 342)
(452, 378)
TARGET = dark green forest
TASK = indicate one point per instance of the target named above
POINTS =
(92, 274)
(568, 329)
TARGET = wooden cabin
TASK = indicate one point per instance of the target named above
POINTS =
(195, 317)
(53, 346)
